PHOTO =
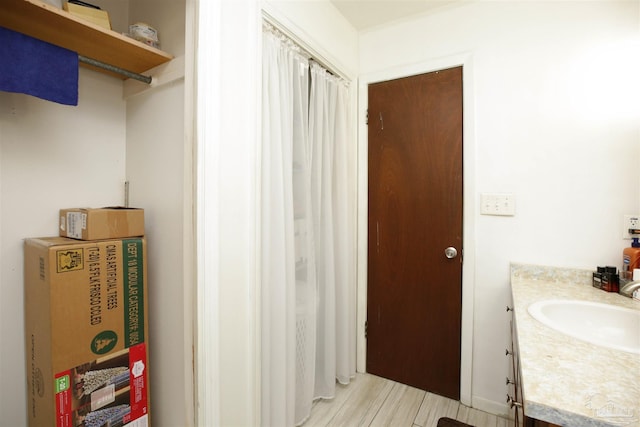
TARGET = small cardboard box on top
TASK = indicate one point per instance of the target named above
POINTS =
(86, 329)
(101, 223)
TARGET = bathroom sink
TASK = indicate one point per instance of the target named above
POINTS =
(600, 324)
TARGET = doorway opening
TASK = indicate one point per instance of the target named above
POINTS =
(365, 233)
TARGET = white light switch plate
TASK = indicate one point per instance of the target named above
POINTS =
(502, 204)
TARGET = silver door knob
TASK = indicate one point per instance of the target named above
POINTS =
(451, 252)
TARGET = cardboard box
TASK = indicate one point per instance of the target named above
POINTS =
(86, 329)
(97, 16)
(102, 223)
(56, 3)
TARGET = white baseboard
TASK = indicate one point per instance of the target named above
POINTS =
(496, 408)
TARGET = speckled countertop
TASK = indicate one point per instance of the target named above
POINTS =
(567, 381)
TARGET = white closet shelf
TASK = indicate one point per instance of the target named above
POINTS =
(48, 23)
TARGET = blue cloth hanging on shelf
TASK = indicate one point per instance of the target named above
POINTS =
(37, 68)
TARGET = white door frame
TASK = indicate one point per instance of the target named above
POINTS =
(469, 205)
(227, 291)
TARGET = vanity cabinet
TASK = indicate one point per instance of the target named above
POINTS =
(568, 381)
(515, 397)
(514, 385)
(530, 422)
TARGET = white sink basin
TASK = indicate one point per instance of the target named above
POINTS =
(601, 324)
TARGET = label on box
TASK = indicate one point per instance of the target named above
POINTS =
(111, 390)
(134, 291)
(76, 222)
(140, 422)
(102, 397)
(138, 380)
(64, 399)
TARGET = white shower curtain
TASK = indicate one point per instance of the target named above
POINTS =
(335, 354)
(308, 241)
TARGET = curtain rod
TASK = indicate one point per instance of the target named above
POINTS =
(114, 69)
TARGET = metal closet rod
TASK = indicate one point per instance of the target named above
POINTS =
(114, 69)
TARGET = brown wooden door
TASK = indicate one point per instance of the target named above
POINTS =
(414, 298)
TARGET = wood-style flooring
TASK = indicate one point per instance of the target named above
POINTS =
(373, 401)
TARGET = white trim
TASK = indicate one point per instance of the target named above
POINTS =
(469, 214)
(497, 408)
(256, 305)
(228, 325)
(189, 253)
(208, 74)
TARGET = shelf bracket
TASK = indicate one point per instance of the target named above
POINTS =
(126, 194)
(114, 69)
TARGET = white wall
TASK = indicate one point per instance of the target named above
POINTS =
(51, 157)
(555, 90)
(166, 16)
(319, 26)
(156, 151)
(155, 173)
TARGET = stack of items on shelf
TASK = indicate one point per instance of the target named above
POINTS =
(86, 321)
(139, 31)
(89, 12)
(144, 33)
